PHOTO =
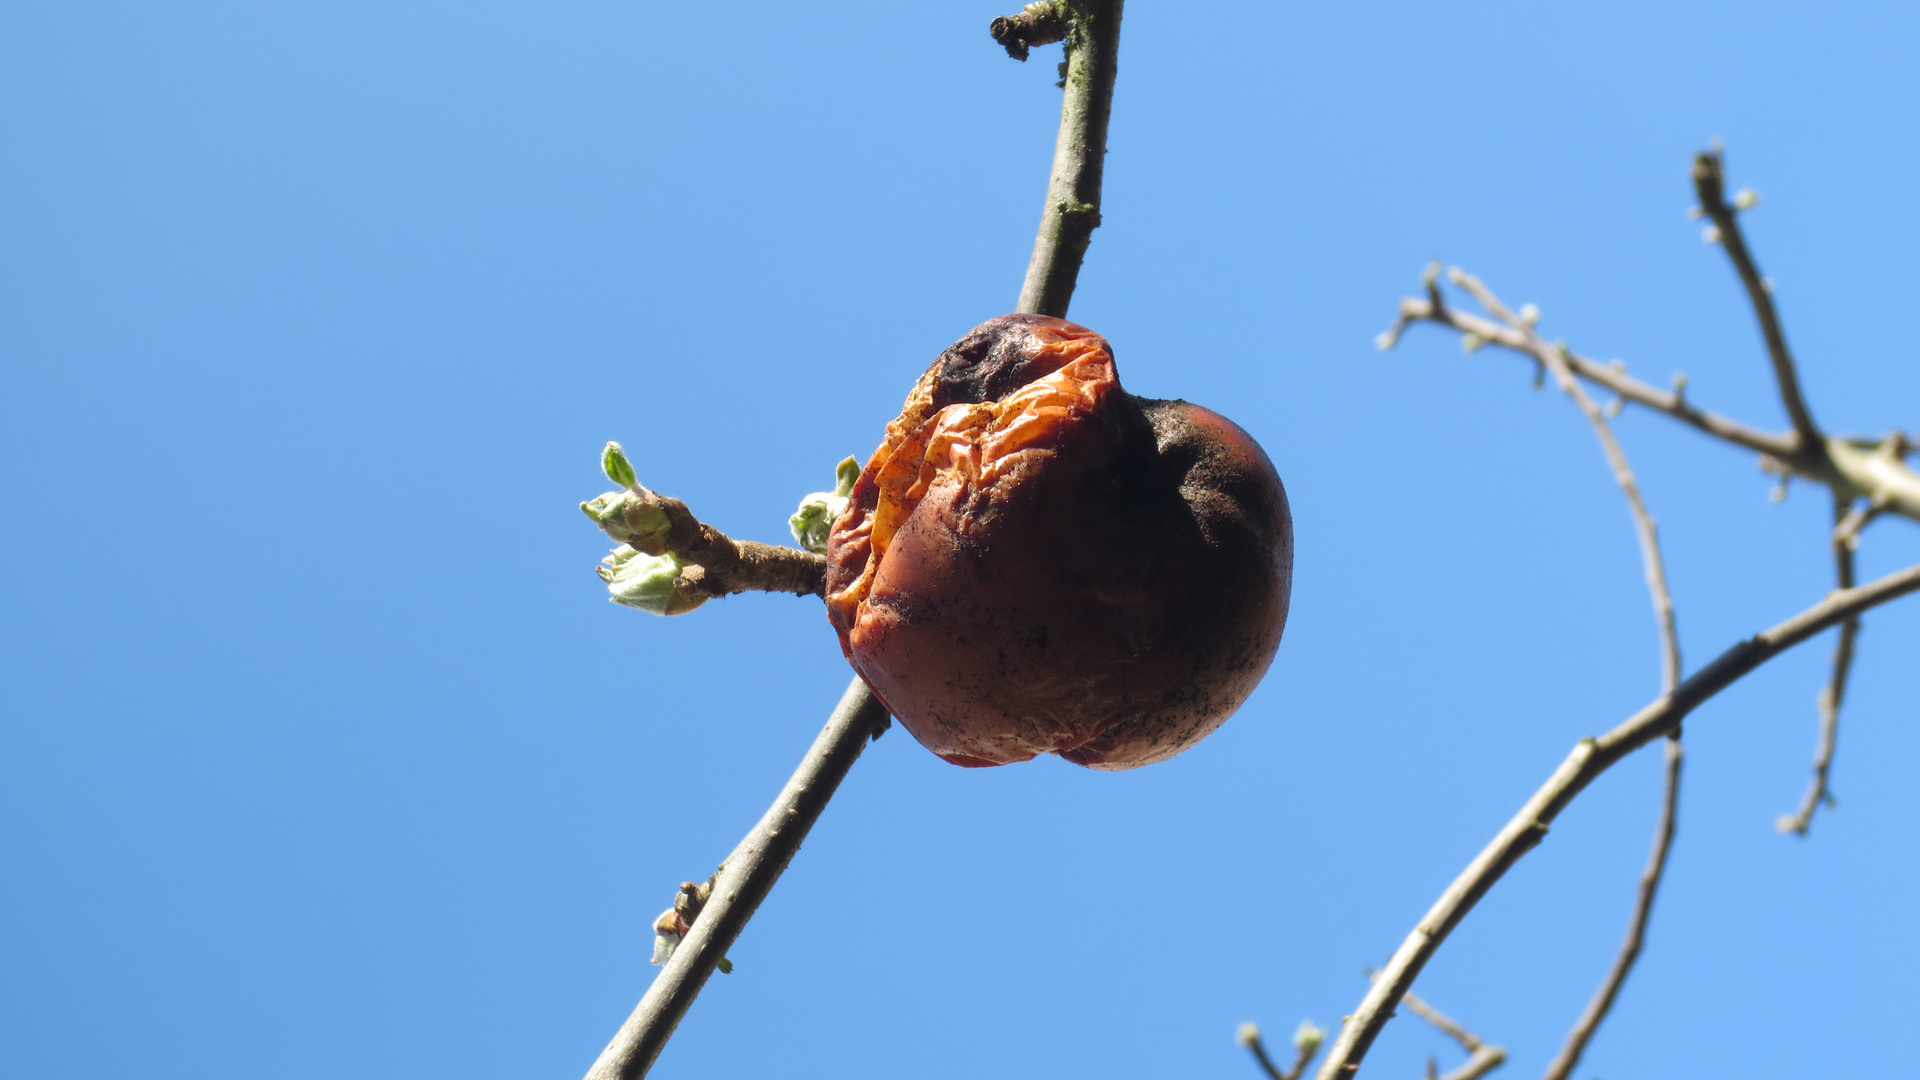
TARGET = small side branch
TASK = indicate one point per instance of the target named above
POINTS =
(723, 566)
(1671, 402)
(1845, 531)
(716, 564)
(743, 882)
(1557, 360)
(1554, 357)
(1306, 1043)
(1482, 1057)
(1072, 209)
(1853, 468)
(1589, 759)
(1709, 183)
(1601, 1004)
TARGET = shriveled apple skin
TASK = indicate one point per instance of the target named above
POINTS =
(1036, 561)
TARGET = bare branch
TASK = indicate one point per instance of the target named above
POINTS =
(1306, 1043)
(1556, 359)
(1482, 1057)
(1672, 403)
(1844, 534)
(1875, 469)
(723, 566)
(743, 882)
(1597, 1008)
(1258, 1048)
(750, 872)
(1589, 759)
(716, 564)
(1072, 210)
(1856, 520)
(1709, 183)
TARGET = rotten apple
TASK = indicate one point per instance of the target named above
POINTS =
(1036, 561)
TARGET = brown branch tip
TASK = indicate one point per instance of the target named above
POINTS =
(1041, 23)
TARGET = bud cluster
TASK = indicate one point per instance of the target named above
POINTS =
(818, 511)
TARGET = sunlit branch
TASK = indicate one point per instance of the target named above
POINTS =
(747, 876)
(1603, 998)
(1554, 360)
(1844, 534)
(1709, 183)
(1482, 1057)
(1590, 758)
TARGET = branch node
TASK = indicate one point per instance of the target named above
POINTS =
(1037, 24)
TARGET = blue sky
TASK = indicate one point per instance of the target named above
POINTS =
(325, 756)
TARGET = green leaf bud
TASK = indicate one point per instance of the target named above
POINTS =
(613, 461)
(630, 518)
(1308, 1037)
(818, 511)
(845, 475)
(643, 581)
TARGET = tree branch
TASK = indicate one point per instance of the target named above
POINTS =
(750, 872)
(743, 882)
(1597, 1008)
(1836, 688)
(1303, 1051)
(1554, 358)
(724, 566)
(1482, 1057)
(1671, 402)
(1853, 468)
(715, 563)
(1709, 183)
(1072, 210)
(1590, 758)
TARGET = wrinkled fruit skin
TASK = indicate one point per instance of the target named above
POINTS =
(1036, 561)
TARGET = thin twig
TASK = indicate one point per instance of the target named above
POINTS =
(1259, 1051)
(1554, 357)
(1589, 759)
(1709, 183)
(1672, 403)
(744, 881)
(1857, 519)
(1603, 998)
(717, 564)
(750, 872)
(1836, 688)
(1482, 1057)
(1072, 210)
(1303, 1051)
(1876, 469)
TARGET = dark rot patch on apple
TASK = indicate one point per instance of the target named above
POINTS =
(1036, 561)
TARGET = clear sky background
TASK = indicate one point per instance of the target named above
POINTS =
(325, 756)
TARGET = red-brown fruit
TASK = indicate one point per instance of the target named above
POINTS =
(1036, 561)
